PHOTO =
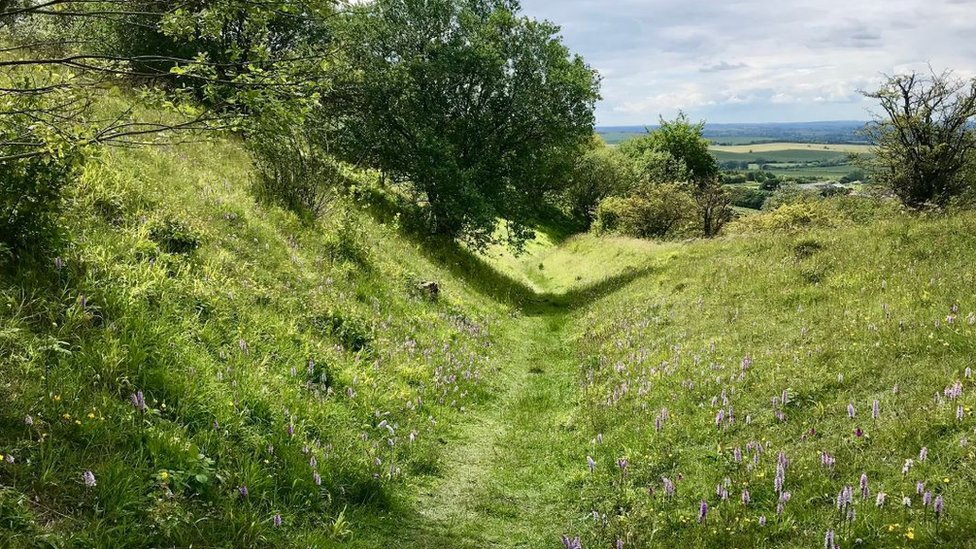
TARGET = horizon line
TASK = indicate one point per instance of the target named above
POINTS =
(845, 121)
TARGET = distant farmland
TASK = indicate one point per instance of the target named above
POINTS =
(819, 150)
(818, 160)
(793, 147)
(743, 134)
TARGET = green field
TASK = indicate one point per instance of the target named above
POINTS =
(822, 161)
(780, 155)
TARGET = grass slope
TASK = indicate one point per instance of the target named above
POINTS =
(274, 355)
(747, 352)
(287, 370)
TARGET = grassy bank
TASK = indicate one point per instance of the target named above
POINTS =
(199, 369)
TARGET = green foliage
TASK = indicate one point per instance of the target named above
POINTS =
(748, 198)
(353, 333)
(809, 212)
(30, 201)
(235, 39)
(790, 194)
(685, 152)
(476, 111)
(293, 163)
(346, 238)
(661, 211)
(208, 65)
(676, 152)
(600, 172)
(174, 235)
(853, 176)
(926, 145)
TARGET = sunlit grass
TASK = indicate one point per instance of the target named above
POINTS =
(766, 340)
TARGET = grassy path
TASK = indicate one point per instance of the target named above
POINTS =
(505, 476)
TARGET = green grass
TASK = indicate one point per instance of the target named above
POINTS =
(826, 317)
(177, 284)
(219, 339)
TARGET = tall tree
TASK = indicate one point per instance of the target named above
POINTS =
(925, 139)
(476, 110)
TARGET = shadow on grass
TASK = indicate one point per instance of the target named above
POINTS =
(481, 276)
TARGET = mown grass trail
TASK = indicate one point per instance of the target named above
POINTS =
(506, 479)
(504, 474)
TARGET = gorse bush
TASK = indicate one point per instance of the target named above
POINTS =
(814, 213)
(788, 217)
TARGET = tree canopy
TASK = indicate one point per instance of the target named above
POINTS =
(675, 151)
(925, 140)
(474, 109)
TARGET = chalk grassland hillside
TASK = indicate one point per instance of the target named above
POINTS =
(765, 389)
(196, 369)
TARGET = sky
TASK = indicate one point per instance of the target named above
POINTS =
(757, 60)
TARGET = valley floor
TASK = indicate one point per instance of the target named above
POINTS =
(508, 474)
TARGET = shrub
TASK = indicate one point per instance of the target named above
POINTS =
(827, 191)
(30, 200)
(821, 213)
(294, 168)
(786, 218)
(347, 241)
(748, 198)
(354, 334)
(789, 194)
(598, 173)
(659, 211)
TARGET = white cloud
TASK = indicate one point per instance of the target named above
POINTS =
(757, 60)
